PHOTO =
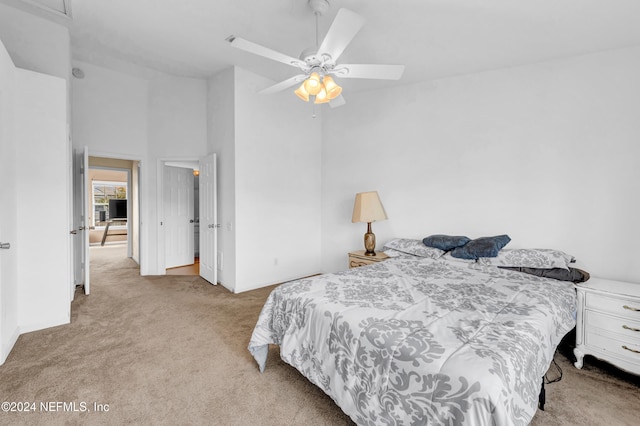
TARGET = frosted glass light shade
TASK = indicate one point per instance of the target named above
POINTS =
(333, 90)
(302, 93)
(312, 84)
(321, 97)
(368, 208)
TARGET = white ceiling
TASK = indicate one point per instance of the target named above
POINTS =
(433, 38)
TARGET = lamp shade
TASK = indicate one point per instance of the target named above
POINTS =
(368, 208)
(333, 90)
(302, 93)
(321, 97)
(312, 84)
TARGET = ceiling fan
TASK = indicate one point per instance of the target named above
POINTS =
(319, 63)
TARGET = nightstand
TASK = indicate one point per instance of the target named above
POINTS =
(357, 258)
(608, 323)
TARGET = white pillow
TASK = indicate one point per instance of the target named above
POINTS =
(530, 258)
(413, 247)
(393, 253)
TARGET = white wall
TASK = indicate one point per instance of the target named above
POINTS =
(277, 185)
(221, 137)
(109, 111)
(546, 153)
(146, 118)
(43, 200)
(268, 181)
(177, 129)
(9, 330)
(32, 134)
(35, 43)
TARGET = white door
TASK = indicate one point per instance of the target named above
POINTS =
(178, 216)
(81, 220)
(208, 219)
(8, 215)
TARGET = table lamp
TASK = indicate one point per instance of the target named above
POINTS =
(368, 208)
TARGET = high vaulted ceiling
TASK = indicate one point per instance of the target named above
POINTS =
(433, 38)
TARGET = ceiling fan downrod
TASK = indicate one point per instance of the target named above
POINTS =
(319, 7)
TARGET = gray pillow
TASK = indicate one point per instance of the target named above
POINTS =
(445, 242)
(574, 275)
(481, 247)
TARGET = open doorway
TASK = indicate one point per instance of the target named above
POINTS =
(180, 228)
(91, 208)
(113, 210)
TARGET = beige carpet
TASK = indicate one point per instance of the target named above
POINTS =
(172, 350)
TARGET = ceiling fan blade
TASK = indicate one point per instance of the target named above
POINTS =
(343, 29)
(375, 71)
(337, 102)
(257, 49)
(283, 85)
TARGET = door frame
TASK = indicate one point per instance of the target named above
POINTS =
(162, 270)
(138, 201)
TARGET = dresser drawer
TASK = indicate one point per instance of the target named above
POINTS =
(622, 326)
(615, 346)
(354, 263)
(620, 307)
(358, 258)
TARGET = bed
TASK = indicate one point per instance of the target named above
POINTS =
(421, 340)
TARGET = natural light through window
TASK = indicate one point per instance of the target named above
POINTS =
(102, 192)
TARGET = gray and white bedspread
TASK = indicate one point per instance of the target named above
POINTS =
(419, 341)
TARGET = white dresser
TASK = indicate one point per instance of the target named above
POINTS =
(608, 323)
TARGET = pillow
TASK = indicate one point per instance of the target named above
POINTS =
(574, 275)
(393, 253)
(481, 247)
(445, 242)
(530, 258)
(414, 247)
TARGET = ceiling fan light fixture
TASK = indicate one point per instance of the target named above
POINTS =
(313, 84)
(321, 97)
(332, 89)
(302, 93)
(316, 62)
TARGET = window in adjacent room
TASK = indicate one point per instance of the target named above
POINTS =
(103, 192)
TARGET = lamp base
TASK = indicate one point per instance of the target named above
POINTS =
(369, 241)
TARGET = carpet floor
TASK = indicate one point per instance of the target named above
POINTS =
(173, 350)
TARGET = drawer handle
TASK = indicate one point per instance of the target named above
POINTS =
(630, 350)
(631, 309)
(626, 327)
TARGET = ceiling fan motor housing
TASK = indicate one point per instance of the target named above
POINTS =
(312, 59)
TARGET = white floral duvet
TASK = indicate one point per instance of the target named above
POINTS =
(419, 341)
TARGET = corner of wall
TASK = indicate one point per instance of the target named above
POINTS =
(8, 344)
(221, 139)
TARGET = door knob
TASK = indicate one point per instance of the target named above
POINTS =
(191, 221)
(5, 246)
(74, 232)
